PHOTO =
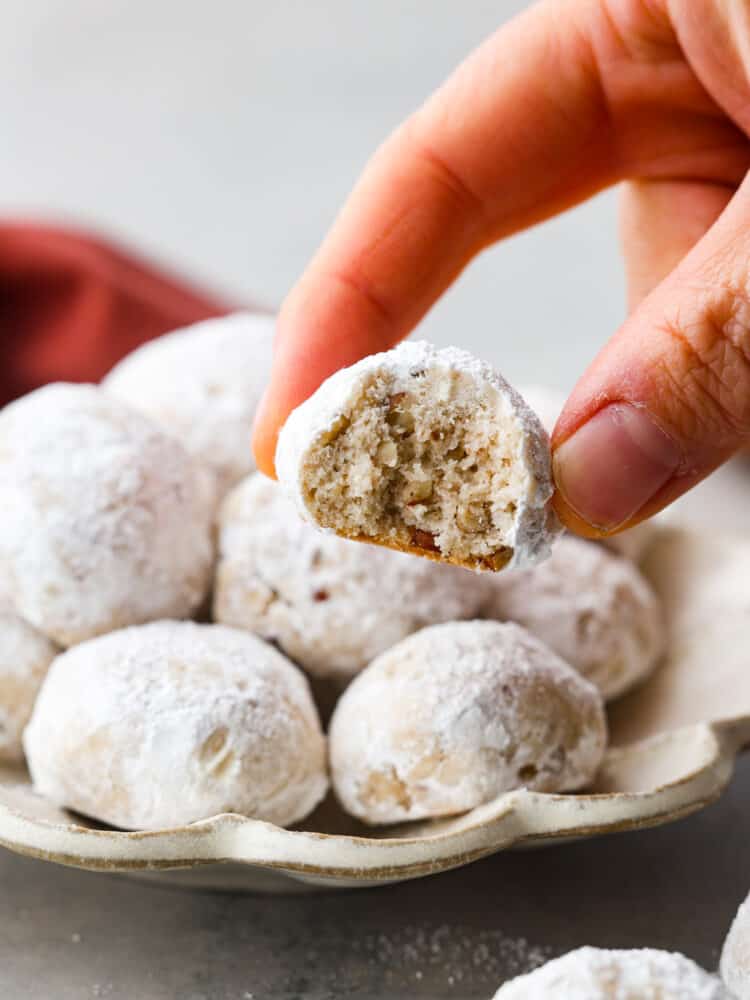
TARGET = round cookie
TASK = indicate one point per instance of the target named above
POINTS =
(427, 451)
(592, 607)
(597, 974)
(457, 714)
(203, 385)
(105, 521)
(25, 655)
(163, 724)
(735, 955)
(330, 604)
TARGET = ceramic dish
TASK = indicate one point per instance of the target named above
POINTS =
(674, 742)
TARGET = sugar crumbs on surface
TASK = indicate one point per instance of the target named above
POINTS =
(449, 954)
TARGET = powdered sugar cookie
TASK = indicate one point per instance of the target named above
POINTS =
(163, 724)
(25, 655)
(424, 450)
(105, 521)
(455, 715)
(596, 974)
(735, 955)
(203, 384)
(592, 607)
(330, 604)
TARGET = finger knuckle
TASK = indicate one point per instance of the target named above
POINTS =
(710, 381)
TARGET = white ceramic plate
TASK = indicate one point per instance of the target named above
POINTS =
(673, 747)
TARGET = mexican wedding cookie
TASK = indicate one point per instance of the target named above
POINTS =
(25, 655)
(203, 385)
(424, 450)
(596, 974)
(455, 715)
(330, 604)
(104, 520)
(161, 725)
(592, 607)
(735, 956)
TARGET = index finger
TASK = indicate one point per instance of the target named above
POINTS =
(519, 132)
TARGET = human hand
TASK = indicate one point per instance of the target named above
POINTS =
(569, 98)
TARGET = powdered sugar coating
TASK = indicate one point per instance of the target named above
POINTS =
(735, 955)
(457, 714)
(25, 655)
(592, 607)
(105, 521)
(203, 384)
(164, 724)
(534, 523)
(597, 974)
(330, 604)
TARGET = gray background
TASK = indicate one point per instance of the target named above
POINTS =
(221, 138)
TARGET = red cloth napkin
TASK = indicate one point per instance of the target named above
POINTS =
(71, 306)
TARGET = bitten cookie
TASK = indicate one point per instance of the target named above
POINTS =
(25, 655)
(161, 725)
(330, 604)
(735, 955)
(456, 714)
(424, 450)
(105, 520)
(592, 607)
(203, 385)
(597, 974)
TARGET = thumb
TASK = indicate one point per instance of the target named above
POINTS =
(668, 399)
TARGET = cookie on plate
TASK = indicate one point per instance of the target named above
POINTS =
(105, 521)
(203, 384)
(427, 451)
(594, 608)
(457, 714)
(163, 724)
(330, 604)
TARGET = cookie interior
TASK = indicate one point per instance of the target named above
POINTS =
(428, 462)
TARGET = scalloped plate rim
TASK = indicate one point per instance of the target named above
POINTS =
(513, 819)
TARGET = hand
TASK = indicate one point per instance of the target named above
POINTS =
(569, 98)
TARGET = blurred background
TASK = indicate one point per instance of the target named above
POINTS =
(222, 138)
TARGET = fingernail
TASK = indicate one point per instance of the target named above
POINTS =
(614, 464)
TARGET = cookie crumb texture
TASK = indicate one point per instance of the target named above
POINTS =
(330, 604)
(598, 974)
(163, 724)
(457, 714)
(105, 521)
(427, 451)
(735, 955)
(593, 608)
